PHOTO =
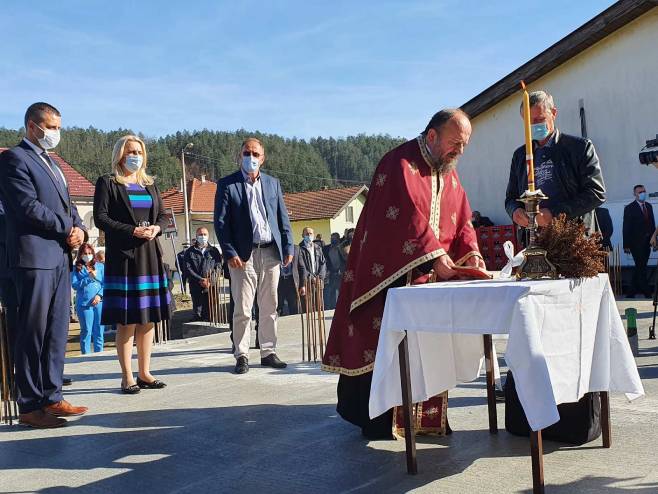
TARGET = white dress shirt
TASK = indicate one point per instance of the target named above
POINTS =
(311, 250)
(261, 228)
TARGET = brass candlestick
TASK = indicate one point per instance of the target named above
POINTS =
(535, 265)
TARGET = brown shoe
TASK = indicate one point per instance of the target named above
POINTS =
(40, 420)
(64, 409)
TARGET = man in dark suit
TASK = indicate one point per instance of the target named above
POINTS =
(254, 232)
(43, 226)
(639, 225)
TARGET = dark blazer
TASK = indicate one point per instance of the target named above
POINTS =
(114, 215)
(578, 174)
(198, 265)
(305, 266)
(40, 214)
(636, 231)
(233, 222)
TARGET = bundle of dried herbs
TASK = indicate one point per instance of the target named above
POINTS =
(573, 254)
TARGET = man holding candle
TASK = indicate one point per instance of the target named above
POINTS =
(566, 169)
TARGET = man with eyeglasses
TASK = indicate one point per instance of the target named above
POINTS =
(254, 232)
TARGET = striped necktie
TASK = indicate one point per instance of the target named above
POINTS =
(54, 169)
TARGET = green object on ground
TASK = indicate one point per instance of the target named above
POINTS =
(631, 321)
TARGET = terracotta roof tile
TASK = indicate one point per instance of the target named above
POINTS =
(202, 195)
(319, 204)
(79, 186)
(173, 198)
(316, 204)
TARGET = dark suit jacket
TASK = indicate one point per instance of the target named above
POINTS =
(233, 222)
(39, 212)
(114, 215)
(636, 231)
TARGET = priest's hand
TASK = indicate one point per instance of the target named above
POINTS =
(544, 217)
(443, 267)
(520, 217)
(476, 262)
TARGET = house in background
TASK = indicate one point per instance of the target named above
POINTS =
(603, 79)
(326, 211)
(81, 191)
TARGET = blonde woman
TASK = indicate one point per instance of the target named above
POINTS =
(128, 208)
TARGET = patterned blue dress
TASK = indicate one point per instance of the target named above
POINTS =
(136, 290)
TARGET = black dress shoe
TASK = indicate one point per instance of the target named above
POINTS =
(242, 365)
(157, 384)
(67, 381)
(273, 361)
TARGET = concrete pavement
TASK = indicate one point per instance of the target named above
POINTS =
(277, 431)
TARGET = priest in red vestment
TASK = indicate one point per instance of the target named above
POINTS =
(416, 219)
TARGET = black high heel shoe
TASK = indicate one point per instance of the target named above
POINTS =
(157, 384)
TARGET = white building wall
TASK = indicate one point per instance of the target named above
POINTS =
(617, 79)
(85, 208)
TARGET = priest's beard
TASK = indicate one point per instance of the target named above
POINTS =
(445, 164)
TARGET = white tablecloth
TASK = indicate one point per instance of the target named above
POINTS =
(566, 338)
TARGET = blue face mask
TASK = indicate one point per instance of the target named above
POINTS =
(250, 164)
(307, 239)
(133, 162)
(642, 196)
(539, 131)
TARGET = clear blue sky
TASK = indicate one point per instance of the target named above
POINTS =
(296, 68)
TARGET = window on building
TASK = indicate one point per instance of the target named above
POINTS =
(349, 214)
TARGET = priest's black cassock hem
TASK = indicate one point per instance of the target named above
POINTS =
(353, 399)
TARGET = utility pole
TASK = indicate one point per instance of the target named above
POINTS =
(185, 205)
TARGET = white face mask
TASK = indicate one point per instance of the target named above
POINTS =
(133, 162)
(250, 164)
(50, 138)
(87, 258)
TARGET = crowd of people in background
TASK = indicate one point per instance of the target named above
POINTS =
(318, 261)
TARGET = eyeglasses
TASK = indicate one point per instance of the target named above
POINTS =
(255, 154)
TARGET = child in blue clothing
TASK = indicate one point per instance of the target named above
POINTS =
(87, 280)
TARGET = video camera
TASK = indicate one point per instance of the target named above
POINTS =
(649, 153)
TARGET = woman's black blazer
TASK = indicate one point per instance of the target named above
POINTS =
(114, 215)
